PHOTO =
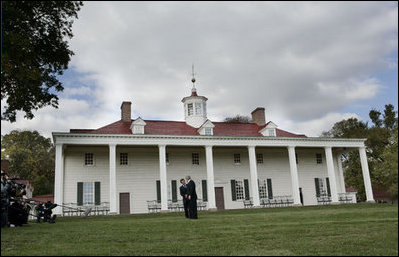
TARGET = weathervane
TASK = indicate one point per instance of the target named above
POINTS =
(193, 79)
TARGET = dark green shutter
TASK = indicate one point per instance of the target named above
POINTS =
(204, 191)
(80, 193)
(316, 182)
(246, 186)
(233, 190)
(174, 191)
(328, 187)
(158, 191)
(269, 188)
(97, 193)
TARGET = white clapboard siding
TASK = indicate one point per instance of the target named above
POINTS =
(138, 178)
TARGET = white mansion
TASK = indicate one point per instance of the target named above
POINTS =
(130, 163)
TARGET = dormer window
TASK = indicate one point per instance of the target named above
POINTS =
(269, 130)
(137, 126)
(206, 128)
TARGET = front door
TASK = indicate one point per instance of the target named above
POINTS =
(219, 195)
(124, 203)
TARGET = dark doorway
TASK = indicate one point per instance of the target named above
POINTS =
(219, 195)
(124, 203)
(301, 195)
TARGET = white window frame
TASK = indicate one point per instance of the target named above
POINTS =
(123, 161)
(259, 158)
(195, 158)
(198, 108)
(88, 193)
(322, 187)
(89, 159)
(190, 109)
(237, 159)
(319, 158)
(271, 133)
(240, 194)
(263, 189)
(208, 131)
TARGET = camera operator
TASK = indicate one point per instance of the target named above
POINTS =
(5, 201)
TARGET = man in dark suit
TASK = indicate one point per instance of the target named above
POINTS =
(192, 197)
(183, 193)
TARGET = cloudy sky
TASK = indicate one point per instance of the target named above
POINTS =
(309, 64)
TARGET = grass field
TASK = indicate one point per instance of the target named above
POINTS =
(360, 229)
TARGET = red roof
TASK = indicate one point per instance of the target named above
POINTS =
(43, 198)
(156, 127)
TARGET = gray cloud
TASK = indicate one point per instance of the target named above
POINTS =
(302, 61)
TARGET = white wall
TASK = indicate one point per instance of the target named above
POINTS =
(139, 177)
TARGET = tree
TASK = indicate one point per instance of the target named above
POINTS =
(387, 170)
(31, 157)
(35, 51)
(380, 146)
(238, 118)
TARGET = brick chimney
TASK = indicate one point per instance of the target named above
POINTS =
(258, 116)
(126, 111)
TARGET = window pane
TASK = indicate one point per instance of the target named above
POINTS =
(89, 160)
(123, 159)
(319, 158)
(195, 158)
(259, 158)
(237, 158)
(88, 193)
(198, 109)
(190, 109)
(262, 189)
(240, 190)
(208, 131)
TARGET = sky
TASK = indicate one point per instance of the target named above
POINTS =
(309, 64)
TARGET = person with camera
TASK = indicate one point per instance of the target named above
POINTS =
(5, 187)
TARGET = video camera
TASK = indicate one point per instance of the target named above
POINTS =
(15, 189)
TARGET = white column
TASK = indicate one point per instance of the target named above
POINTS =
(341, 173)
(331, 175)
(210, 178)
(254, 176)
(366, 174)
(112, 179)
(294, 176)
(59, 178)
(162, 177)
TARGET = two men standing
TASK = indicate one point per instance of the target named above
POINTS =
(189, 194)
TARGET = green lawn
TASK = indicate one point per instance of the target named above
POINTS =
(360, 229)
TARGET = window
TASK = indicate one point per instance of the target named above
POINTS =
(123, 159)
(198, 109)
(237, 158)
(88, 193)
(319, 158)
(262, 189)
(167, 158)
(195, 158)
(259, 158)
(321, 187)
(89, 159)
(138, 129)
(208, 131)
(240, 190)
(272, 133)
(190, 110)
